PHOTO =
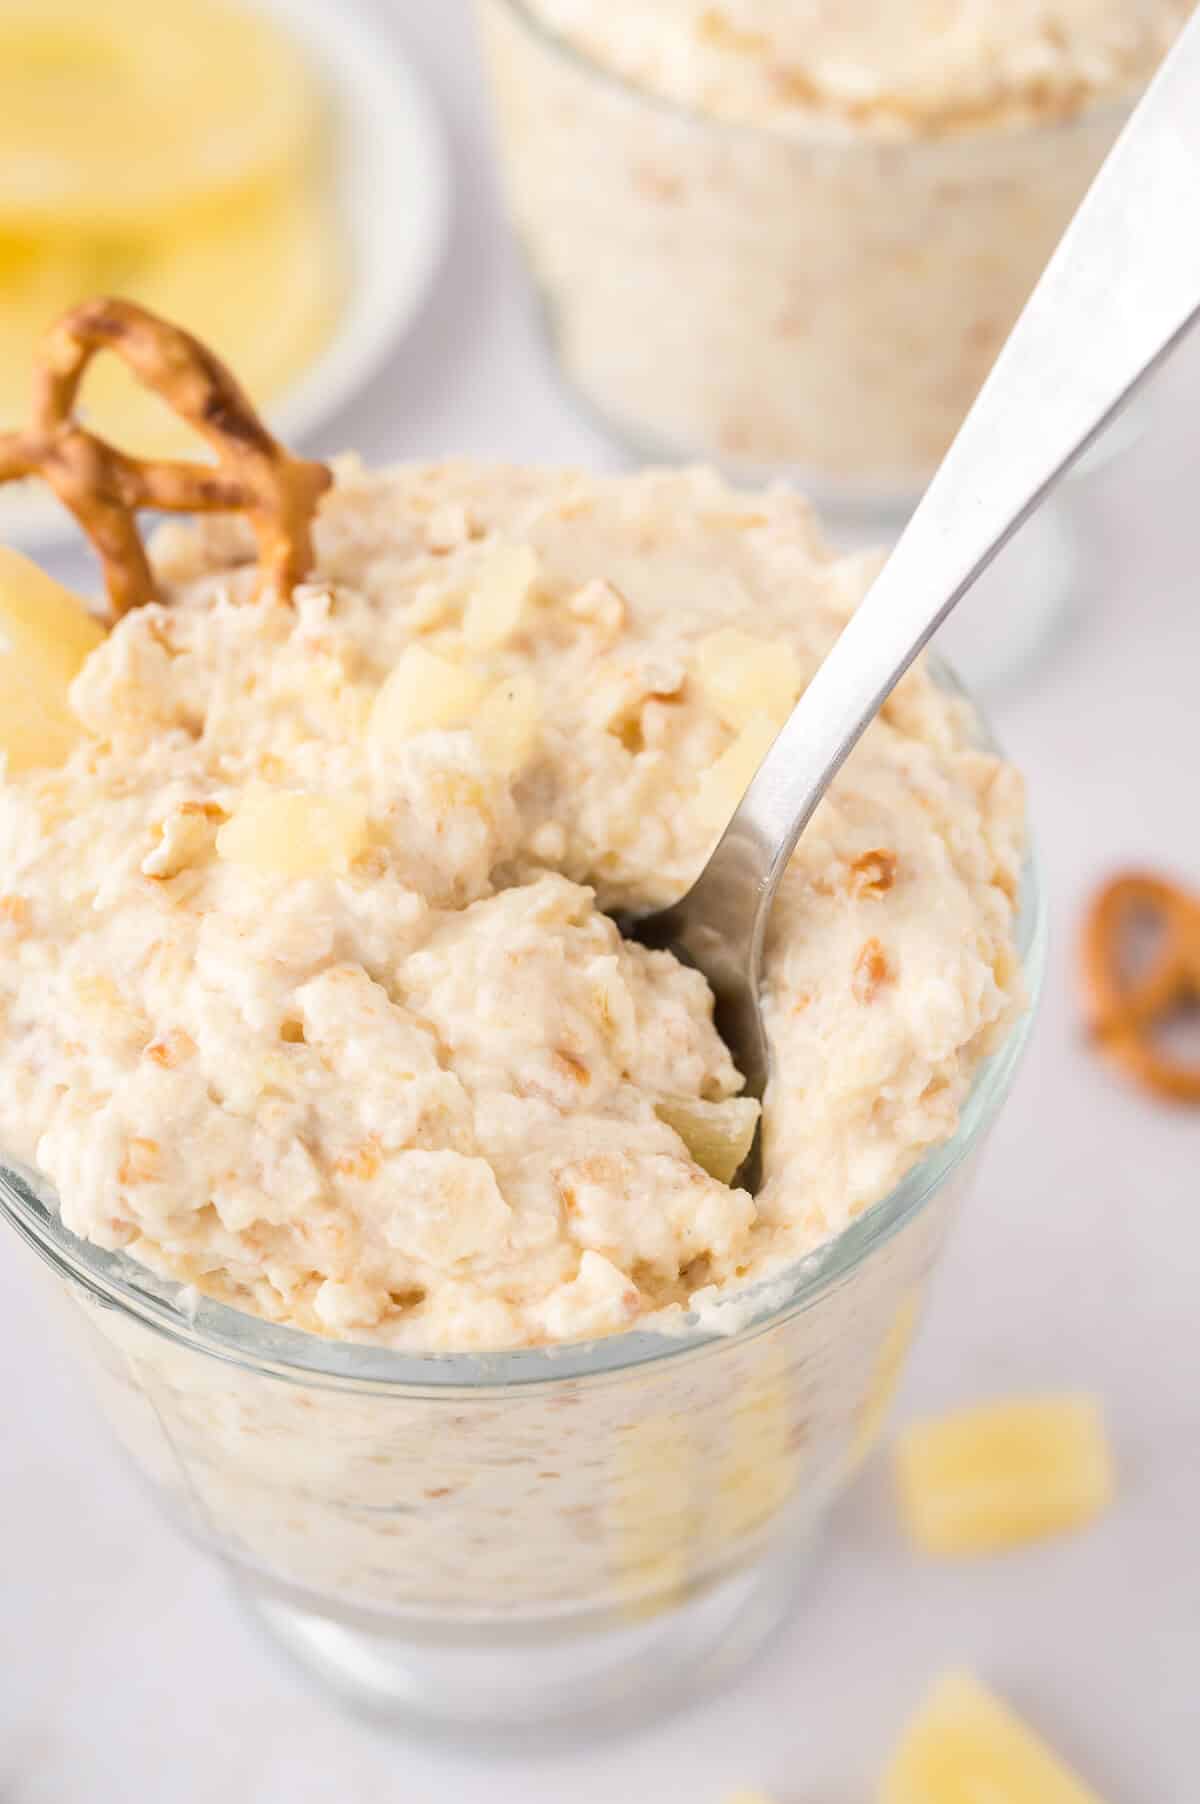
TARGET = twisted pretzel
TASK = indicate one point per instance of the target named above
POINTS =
(103, 486)
(1125, 1013)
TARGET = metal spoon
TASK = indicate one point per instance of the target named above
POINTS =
(1119, 293)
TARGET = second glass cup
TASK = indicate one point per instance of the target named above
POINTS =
(820, 302)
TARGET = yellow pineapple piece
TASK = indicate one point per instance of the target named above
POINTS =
(742, 1796)
(45, 636)
(989, 1478)
(885, 1377)
(424, 692)
(742, 675)
(293, 833)
(508, 723)
(966, 1747)
(756, 1471)
(717, 1134)
(262, 284)
(724, 783)
(500, 597)
(652, 1499)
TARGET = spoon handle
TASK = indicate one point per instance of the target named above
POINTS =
(1119, 293)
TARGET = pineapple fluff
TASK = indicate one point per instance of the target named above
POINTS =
(310, 997)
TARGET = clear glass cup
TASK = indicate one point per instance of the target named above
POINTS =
(820, 304)
(562, 1536)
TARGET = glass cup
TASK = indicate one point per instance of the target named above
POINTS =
(560, 1536)
(819, 303)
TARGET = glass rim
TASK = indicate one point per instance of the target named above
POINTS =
(828, 133)
(222, 1331)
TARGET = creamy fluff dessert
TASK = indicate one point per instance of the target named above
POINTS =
(890, 66)
(310, 999)
(796, 232)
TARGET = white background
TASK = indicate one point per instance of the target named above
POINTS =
(124, 1672)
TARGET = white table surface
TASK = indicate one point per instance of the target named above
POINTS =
(125, 1674)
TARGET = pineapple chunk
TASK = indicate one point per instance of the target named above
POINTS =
(989, 1478)
(42, 621)
(291, 833)
(501, 597)
(724, 783)
(508, 723)
(757, 1470)
(742, 675)
(885, 1377)
(650, 1502)
(45, 636)
(423, 693)
(966, 1746)
(717, 1134)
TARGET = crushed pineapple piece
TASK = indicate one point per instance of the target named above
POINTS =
(717, 1134)
(651, 1501)
(508, 722)
(45, 636)
(885, 1376)
(601, 605)
(724, 784)
(291, 833)
(989, 1478)
(185, 837)
(500, 597)
(757, 1470)
(965, 1745)
(423, 692)
(742, 675)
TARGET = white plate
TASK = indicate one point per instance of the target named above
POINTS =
(393, 202)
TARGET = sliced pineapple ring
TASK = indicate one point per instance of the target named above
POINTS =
(423, 693)
(723, 785)
(294, 833)
(45, 636)
(742, 675)
(262, 285)
(717, 1134)
(501, 597)
(131, 115)
(508, 724)
(966, 1746)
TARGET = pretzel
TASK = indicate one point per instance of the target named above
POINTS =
(103, 486)
(1125, 1014)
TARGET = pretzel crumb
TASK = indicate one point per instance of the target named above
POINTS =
(171, 1049)
(14, 910)
(141, 1162)
(572, 1065)
(873, 874)
(363, 1163)
(871, 972)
